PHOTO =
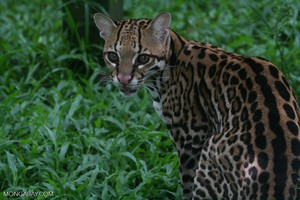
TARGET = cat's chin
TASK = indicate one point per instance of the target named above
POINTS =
(128, 92)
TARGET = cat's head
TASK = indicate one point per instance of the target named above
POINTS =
(135, 49)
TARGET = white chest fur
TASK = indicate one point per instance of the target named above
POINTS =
(158, 108)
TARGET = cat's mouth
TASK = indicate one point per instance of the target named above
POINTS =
(128, 91)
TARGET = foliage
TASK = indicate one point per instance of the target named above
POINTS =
(60, 131)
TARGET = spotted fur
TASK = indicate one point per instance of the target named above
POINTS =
(233, 119)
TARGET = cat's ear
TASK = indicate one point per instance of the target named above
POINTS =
(159, 26)
(104, 24)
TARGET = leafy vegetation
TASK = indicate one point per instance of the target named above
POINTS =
(62, 132)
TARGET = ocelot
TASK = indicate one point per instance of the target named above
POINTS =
(234, 119)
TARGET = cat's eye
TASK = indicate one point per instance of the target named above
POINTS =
(112, 57)
(143, 58)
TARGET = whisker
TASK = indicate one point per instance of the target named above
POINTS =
(156, 73)
(150, 86)
(152, 90)
(103, 78)
(155, 82)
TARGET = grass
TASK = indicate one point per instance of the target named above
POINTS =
(61, 132)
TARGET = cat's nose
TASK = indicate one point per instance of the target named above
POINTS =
(124, 79)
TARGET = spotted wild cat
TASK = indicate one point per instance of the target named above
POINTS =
(233, 119)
